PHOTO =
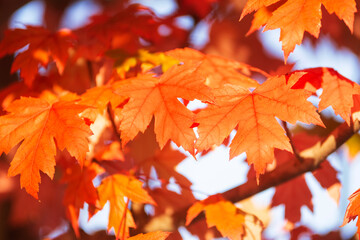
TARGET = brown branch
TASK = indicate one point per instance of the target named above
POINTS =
(312, 157)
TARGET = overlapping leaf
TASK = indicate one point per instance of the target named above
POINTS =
(158, 97)
(80, 189)
(295, 193)
(258, 133)
(294, 17)
(224, 215)
(114, 189)
(217, 70)
(43, 46)
(38, 123)
(99, 98)
(112, 31)
(353, 209)
(151, 236)
(338, 91)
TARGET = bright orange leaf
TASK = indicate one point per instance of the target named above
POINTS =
(224, 215)
(294, 17)
(338, 91)
(254, 5)
(343, 9)
(99, 98)
(114, 189)
(150, 96)
(39, 123)
(217, 70)
(260, 19)
(151, 236)
(353, 209)
(43, 46)
(258, 133)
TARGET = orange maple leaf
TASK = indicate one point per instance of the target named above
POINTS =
(254, 5)
(294, 17)
(222, 214)
(258, 133)
(338, 91)
(99, 97)
(38, 123)
(353, 210)
(260, 19)
(158, 235)
(217, 70)
(43, 46)
(114, 189)
(159, 97)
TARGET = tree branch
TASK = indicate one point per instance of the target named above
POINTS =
(312, 156)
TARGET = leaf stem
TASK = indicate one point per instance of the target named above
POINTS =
(289, 135)
(113, 124)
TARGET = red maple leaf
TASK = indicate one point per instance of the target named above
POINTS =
(43, 46)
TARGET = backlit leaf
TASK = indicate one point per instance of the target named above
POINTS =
(38, 123)
(150, 96)
(258, 133)
(114, 189)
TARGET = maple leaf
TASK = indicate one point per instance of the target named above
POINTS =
(79, 190)
(343, 9)
(112, 31)
(217, 70)
(38, 123)
(295, 193)
(99, 97)
(147, 155)
(293, 198)
(260, 19)
(159, 97)
(42, 46)
(224, 215)
(151, 236)
(114, 189)
(352, 210)
(254, 5)
(294, 17)
(258, 133)
(338, 91)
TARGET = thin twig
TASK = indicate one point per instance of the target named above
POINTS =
(112, 120)
(289, 135)
(313, 157)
